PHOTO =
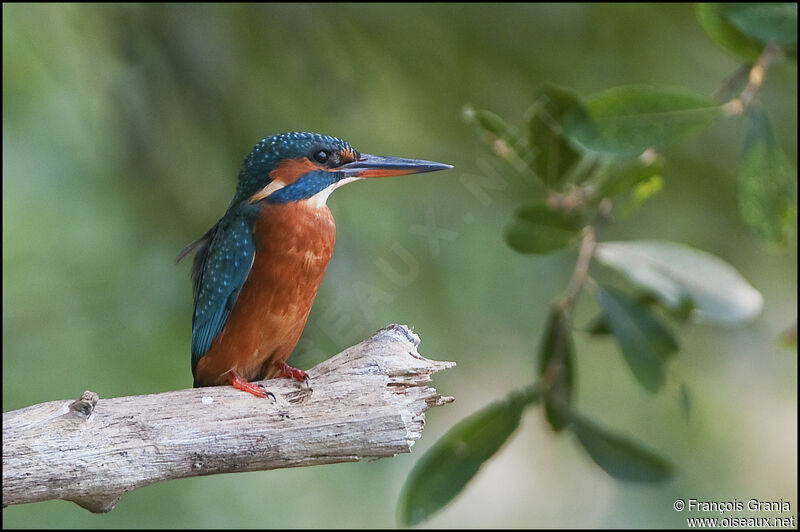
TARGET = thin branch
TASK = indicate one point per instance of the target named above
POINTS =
(367, 401)
(756, 76)
(581, 270)
(732, 82)
(553, 374)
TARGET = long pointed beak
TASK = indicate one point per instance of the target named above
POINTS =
(376, 166)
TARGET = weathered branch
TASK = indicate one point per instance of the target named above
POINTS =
(367, 401)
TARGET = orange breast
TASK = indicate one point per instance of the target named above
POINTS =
(294, 243)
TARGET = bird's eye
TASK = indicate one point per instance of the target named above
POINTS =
(321, 156)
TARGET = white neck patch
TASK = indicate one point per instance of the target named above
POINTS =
(320, 199)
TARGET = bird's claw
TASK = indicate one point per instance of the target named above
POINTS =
(267, 393)
(293, 373)
(254, 388)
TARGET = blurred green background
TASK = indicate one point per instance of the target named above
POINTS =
(123, 131)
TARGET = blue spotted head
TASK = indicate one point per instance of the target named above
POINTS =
(302, 166)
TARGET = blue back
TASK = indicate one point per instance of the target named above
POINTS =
(221, 267)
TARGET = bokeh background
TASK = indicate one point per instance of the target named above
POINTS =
(123, 131)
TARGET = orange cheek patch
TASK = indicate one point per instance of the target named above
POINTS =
(290, 170)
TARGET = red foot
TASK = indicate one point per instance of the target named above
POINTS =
(239, 383)
(292, 373)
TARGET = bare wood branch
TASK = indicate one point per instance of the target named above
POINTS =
(367, 401)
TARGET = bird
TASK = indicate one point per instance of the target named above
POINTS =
(256, 272)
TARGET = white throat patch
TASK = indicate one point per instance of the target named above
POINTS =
(319, 199)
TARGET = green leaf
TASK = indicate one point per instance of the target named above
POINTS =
(504, 140)
(675, 272)
(680, 313)
(599, 327)
(452, 461)
(628, 120)
(625, 177)
(554, 155)
(683, 311)
(646, 343)
(556, 366)
(713, 20)
(766, 182)
(535, 228)
(769, 23)
(641, 193)
(620, 457)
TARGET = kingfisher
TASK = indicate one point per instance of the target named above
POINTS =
(256, 272)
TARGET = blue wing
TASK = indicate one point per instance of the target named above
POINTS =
(224, 257)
